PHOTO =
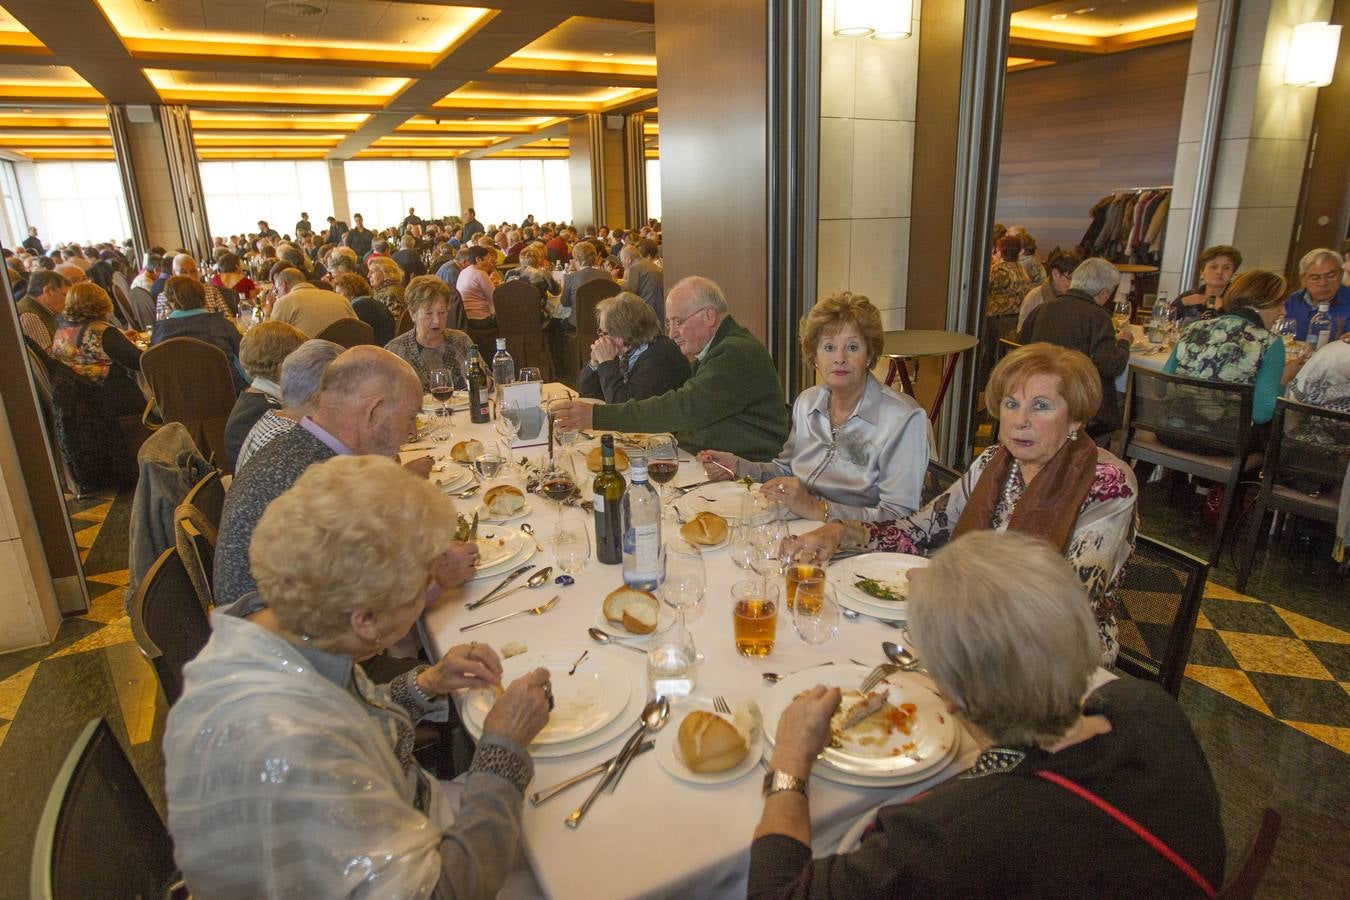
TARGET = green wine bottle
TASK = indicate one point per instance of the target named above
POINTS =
(478, 394)
(609, 488)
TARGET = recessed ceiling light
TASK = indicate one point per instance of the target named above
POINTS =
(288, 35)
(164, 28)
(25, 110)
(1058, 17)
(1084, 11)
(424, 18)
(608, 53)
(403, 42)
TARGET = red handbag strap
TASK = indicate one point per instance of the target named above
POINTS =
(1140, 831)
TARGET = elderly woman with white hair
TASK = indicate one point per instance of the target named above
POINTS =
(288, 772)
(630, 359)
(301, 377)
(1075, 792)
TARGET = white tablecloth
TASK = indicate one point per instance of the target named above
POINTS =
(658, 836)
(1145, 358)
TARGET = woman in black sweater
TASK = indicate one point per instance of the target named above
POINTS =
(1076, 793)
(631, 359)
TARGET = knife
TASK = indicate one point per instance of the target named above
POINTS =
(505, 581)
(630, 750)
(549, 793)
(473, 529)
(686, 488)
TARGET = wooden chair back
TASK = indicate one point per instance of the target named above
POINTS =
(191, 383)
(348, 333)
(589, 296)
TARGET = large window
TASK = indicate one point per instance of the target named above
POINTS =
(654, 189)
(507, 190)
(81, 201)
(14, 228)
(239, 193)
(382, 190)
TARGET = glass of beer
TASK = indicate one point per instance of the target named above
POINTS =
(807, 581)
(755, 616)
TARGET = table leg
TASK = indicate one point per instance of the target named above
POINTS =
(898, 367)
(948, 370)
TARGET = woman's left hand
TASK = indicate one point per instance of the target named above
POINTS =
(603, 350)
(793, 494)
(456, 565)
(465, 666)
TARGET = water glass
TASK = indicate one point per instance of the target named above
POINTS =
(529, 373)
(488, 463)
(571, 546)
(672, 664)
(816, 616)
(805, 580)
(754, 615)
(685, 577)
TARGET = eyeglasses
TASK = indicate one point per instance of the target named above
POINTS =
(1323, 277)
(600, 332)
(675, 324)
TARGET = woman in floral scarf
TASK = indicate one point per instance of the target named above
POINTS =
(1045, 478)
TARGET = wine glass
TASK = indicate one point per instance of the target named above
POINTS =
(685, 578)
(530, 373)
(488, 463)
(558, 482)
(767, 539)
(571, 546)
(815, 616)
(508, 426)
(663, 463)
(442, 383)
(1121, 313)
(741, 543)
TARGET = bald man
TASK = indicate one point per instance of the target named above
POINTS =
(185, 265)
(72, 274)
(368, 401)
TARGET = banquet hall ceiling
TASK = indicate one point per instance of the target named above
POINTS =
(341, 79)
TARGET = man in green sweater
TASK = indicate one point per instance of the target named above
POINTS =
(732, 401)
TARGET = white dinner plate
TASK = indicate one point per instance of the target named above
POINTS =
(519, 544)
(453, 477)
(665, 617)
(583, 702)
(611, 733)
(869, 754)
(829, 773)
(485, 516)
(723, 498)
(887, 567)
(672, 760)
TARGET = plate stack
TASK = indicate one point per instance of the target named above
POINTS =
(869, 756)
(504, 551)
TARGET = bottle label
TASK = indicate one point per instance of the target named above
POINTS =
(599, 503)
(647, 549)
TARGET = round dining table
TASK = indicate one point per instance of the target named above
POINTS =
(656, 835)
(903, 345)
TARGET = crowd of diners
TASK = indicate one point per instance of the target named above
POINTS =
(290, 763)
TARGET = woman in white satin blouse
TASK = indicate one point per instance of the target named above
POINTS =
(857, 449)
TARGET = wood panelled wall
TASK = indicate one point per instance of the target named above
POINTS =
(1072, 133)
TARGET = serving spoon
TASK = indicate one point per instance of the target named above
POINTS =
(604, 637)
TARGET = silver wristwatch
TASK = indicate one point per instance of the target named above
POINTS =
(775, 781)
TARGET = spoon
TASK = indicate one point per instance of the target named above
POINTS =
(534, 581)
(899, 655)
(529, 529)
(604, 637)
(464, 495)
(852, 614)
(774, 677)
(653, 716)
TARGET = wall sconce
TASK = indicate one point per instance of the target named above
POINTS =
(884, 20)
(1312, 54)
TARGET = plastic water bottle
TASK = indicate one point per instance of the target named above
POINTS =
(641, 529)
(1319, 327)
(503, 369)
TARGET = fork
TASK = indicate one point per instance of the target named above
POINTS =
(720, 704)
(533, 611)
(876, 676)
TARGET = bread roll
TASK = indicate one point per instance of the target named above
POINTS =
(466, 451)
(618, 601)
(706, 529)
(595, 463)
(709, 743)
(640, 614)
(504, 500)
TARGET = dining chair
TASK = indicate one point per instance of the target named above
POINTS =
(404, 325)
(1159, 406)
(122, 303)
(936, 479)
(208, 496)
(1245, 876)
(100, 834)
(1159, 600)
(348, 333)
(168, 621)
(191, 383)
(1306, 468)
(195, 542)
(520, 321)
(589, 296)
(142, 308)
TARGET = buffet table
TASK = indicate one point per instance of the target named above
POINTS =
(657, 835)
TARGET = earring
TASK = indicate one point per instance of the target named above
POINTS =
(1073, 434)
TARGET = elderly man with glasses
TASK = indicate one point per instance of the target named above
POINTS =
(1320, 273)
(732, 401)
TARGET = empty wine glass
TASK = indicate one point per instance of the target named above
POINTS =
(529, 373)
(571, 546)
(685, 578)
(767, 539)
(815, 616)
